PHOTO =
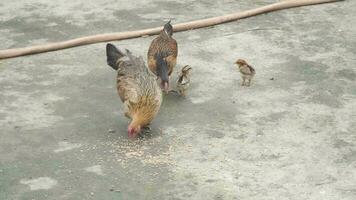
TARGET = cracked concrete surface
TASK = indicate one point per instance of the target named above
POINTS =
(63, 135)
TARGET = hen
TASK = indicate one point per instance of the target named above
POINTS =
(162, 55)
(137, 88)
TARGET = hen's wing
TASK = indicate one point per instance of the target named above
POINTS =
(162, 46)
(133, 78)
(252, 70)
(245, 70)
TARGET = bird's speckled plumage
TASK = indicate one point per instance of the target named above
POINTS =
(136, 86)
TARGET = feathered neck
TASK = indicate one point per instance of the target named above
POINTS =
(141, 119)
(164, 35)
(143, 112)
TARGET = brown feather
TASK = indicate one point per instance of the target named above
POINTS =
(152, 64)
(171, 60)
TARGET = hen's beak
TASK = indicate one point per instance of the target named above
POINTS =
(165, 86)
(133, 132)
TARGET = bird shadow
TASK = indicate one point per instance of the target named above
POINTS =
(150, 133)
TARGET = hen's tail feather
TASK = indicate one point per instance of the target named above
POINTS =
(129, 54)
(112, 55)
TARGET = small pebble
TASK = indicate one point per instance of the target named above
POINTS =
(111, 131)
(271, 79)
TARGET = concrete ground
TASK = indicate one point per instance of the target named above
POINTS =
(63, 135)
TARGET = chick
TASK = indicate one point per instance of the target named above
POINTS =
(162, 55)
(137, 88)
(183, 81)
(247, 71)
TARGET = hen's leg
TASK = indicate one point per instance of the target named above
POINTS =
(243, 80)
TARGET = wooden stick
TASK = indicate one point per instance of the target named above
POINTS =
(10, 53)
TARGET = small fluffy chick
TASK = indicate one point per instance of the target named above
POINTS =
(183, 81)
(247, 71)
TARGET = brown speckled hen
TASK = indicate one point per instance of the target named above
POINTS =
(162, 55)
(247, 71)
(137, 88)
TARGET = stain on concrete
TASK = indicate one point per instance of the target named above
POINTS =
(96, 169)
(41, 183)
(66, 146)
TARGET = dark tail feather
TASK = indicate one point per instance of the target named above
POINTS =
(251, 69)
(112, 55)
(162, 67)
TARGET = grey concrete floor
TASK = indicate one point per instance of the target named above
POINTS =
(63, 135)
